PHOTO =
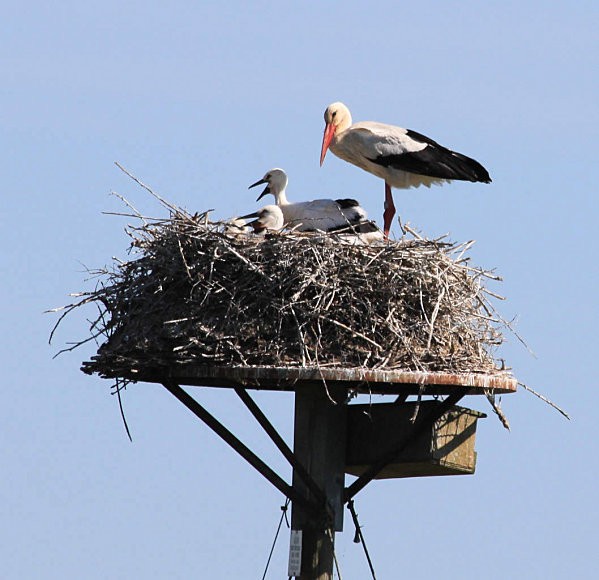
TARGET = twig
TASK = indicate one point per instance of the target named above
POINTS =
(544, 399)
(137, 214)
(497, 409)
(352, 331)
(165, 203)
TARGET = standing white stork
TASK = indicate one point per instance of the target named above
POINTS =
(317, 215)
(403, 158)
(269, 218)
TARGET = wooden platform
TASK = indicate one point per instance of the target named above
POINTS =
(383, 382)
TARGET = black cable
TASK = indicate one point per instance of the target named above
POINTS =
(272, 549)
(359, 537)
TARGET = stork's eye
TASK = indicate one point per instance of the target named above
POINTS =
(334, 113)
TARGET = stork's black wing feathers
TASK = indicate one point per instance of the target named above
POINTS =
(363, 227)
(347, 203)
(435, 161)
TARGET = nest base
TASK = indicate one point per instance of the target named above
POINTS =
(361, 380)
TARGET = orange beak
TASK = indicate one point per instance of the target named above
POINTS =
(329, 133)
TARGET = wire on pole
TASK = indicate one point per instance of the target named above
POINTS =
(359, 537)
(272, 549)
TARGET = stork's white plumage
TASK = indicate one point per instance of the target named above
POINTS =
(268, 218)
(317, 215)
(403, 158)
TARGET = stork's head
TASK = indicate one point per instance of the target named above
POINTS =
(269, 218)
(276, 182)
(337, 119)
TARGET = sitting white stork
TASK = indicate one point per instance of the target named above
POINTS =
(403, 158)
(317, 215)
(268, 219)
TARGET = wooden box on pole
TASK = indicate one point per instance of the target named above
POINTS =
(445, 448)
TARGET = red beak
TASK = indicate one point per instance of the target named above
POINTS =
(329, 133)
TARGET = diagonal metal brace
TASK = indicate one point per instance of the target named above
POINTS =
(421, 424)
(281, 445)
(257, 463)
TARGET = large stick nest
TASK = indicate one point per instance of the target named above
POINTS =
(193, 294)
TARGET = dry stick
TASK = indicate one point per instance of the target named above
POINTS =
(66, 310)
(374, 258)
(302, 342)
(434, 317)
(464, 247)
(544, 399)
(417, 406)
(324, 383)
(138, 215)
(75, 345)
(183, 259)
(165, 203)
(509, 326)
(493, 294)
(249, 264)
(408, 229)
(353, 332)
(176, 210)
(121, 408)
(497, 409)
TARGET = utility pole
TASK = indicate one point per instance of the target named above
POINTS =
(319, 445)
(331, 438)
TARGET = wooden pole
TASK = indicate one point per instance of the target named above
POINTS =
(319, 445)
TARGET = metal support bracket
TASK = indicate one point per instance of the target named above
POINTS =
(257, 463)
(281, 445)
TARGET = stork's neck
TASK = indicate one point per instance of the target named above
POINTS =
(280, 196)
(344, 122)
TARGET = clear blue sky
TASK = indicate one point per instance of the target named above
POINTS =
(199, 101)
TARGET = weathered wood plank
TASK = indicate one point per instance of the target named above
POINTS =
(361, 379)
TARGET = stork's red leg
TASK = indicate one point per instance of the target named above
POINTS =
(389, 210)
